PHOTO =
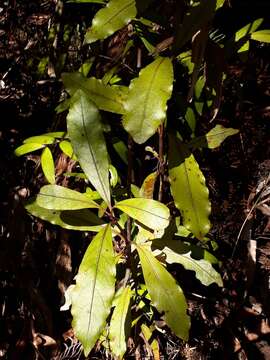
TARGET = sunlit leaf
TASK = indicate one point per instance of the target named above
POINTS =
(146, 104)
(119, 323)
(57, 197)
(80, 220)
(166, 295)
(93, 293)
(261, 35)
(40, 139)
(204, 271)
(86, 135)
(115, 15)
(67, 149)
(27, 148)
(106, 97)
(150, 213)
(188, 188)
(47, 165)
(213, 138)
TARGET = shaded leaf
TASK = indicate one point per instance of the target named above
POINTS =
(188, 188)
(86, 135)
(80, 220)
(57, 197)
(213, 138)
(166, 295)
(261, 35)
(93, 293)
(196, 17)
(47, 165)
(150, 213)
(146, 104)
(27, 148)
(106, 97)
(115, 15)
(204, 271)
(148, 186)
(118, 324)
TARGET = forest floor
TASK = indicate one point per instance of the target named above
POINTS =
(36, 259)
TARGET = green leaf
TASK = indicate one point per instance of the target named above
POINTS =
(204, 271)
(57, 197)
(213, 138)
(247, 29)
(80, 220)
(27, 148)
(93, 293)
(106, 97)
(40, 139)
(88, 1)
(47, 165)
(150, 213)
(113, 17)
(67, 149)
(146, 104)
(188, 188)
(262, 36)
(86, 135)
(118, 325)
(165, 293)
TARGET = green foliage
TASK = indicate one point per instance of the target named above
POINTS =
(93, 293)
(165, 293)
(113, 17)
(138, 204)
(86, 134)
(145, 107)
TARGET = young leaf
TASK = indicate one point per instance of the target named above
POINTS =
(67, 149)
(47, 165)
(27, 148)
(146, 104)
(188, 188)
(118, 331)
(113, 17)
(165, 293)
(80, 220)
(86, 134)
(261, 35)
(93, 293)
(40, 139)
(57, 197)
(106, 97)
(148, 186)
(204, 271)
(150, 213)
(213, 138)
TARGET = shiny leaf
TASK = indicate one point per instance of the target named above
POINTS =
(188, 189)
(40, 139)
(204, 271)
(47, 165)
(57, 197)
(86, 135)
(115, 15)
(80, 220)
(261, 35)
(118, 325)
(106, 97)
(146, 104)
(150, 213)
(166, 295)
(93, 293)
(27, 148)
(213, 138)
